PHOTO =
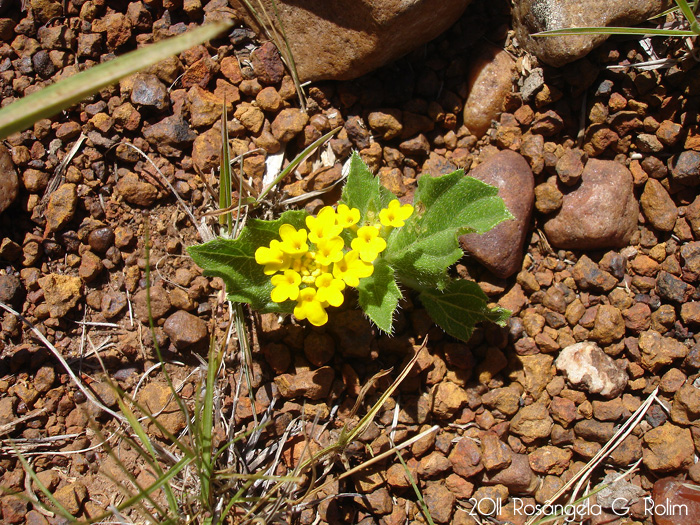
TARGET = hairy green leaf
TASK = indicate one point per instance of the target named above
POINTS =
(445, 208)
(459, 307)
(379, 295)
(364, 191)
(234, 261)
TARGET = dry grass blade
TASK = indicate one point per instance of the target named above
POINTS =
(63, 94)
(580, 478)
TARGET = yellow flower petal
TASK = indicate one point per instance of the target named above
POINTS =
(394, 215)
(346, 216)
(286, 286)
(309, 307)
(293, 241)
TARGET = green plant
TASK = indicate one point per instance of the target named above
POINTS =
(688, 10)
(50, 100)
(370, 242)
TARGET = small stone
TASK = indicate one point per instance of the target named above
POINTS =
(537, 373)
(608, 410)
(160, 304)
(90, 267)
(61, 207)
(61, 293)
(135, 191)
(113, 303)
(586, 366)
(506, 400)
(466, 458)
(433, 465)
(675, 502)
(185, 330)
(11, 289)
(686, 405)
(117, 27)
(658, 207)
(231, 69)
(101, 239)
(267, 64)
(672, 288)
(637, 317)
(148, 90)
(658, 351)
(14, 509)
(550, 460)
(170, 135)
(600, 213)
(89, 45)
(532, 422)
(71, 497)
(589, 276)
(289, 123)
(269, 99)
(386, 123)
(686, 168)
(205, 107)
(501, 249)
(569, 167)
(548, 198)
(490, 81)
(312, 384)
(609, 325)
(518, 477)
(669, 132)
(157, 397)
(440, 502)
(497, 455)
(206, 151)
(690, 254)
(668, 448)
(448, 398)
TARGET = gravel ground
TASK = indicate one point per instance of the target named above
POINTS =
(603, 293)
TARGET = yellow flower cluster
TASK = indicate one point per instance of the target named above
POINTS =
(312, 267)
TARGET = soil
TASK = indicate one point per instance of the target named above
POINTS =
(514, 423)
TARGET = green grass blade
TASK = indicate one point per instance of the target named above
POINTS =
(143, 437)
(421, 502)
(63, 94)
(689, 15)
(664, 14)
(296, 161)
(28, 468)
(225, 201)
(615, 31)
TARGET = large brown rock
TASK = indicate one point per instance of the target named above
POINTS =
(501, 249)
(599, 213)
(345, 39)
(532, 16)
(9, 183)
(490, 80)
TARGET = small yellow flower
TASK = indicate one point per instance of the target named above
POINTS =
(309, 307)
(272, 258)
(293, 241)
(347, 217)
(329, 251)
(330, 290)
(394, 215)
(351, 269)
(368, 243)
(286, 286)
(323, 226)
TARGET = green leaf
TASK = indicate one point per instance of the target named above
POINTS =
(50, 100)
(379, 295)
(445, 208)
(460, 307)
(364, 191)
(234, 261)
